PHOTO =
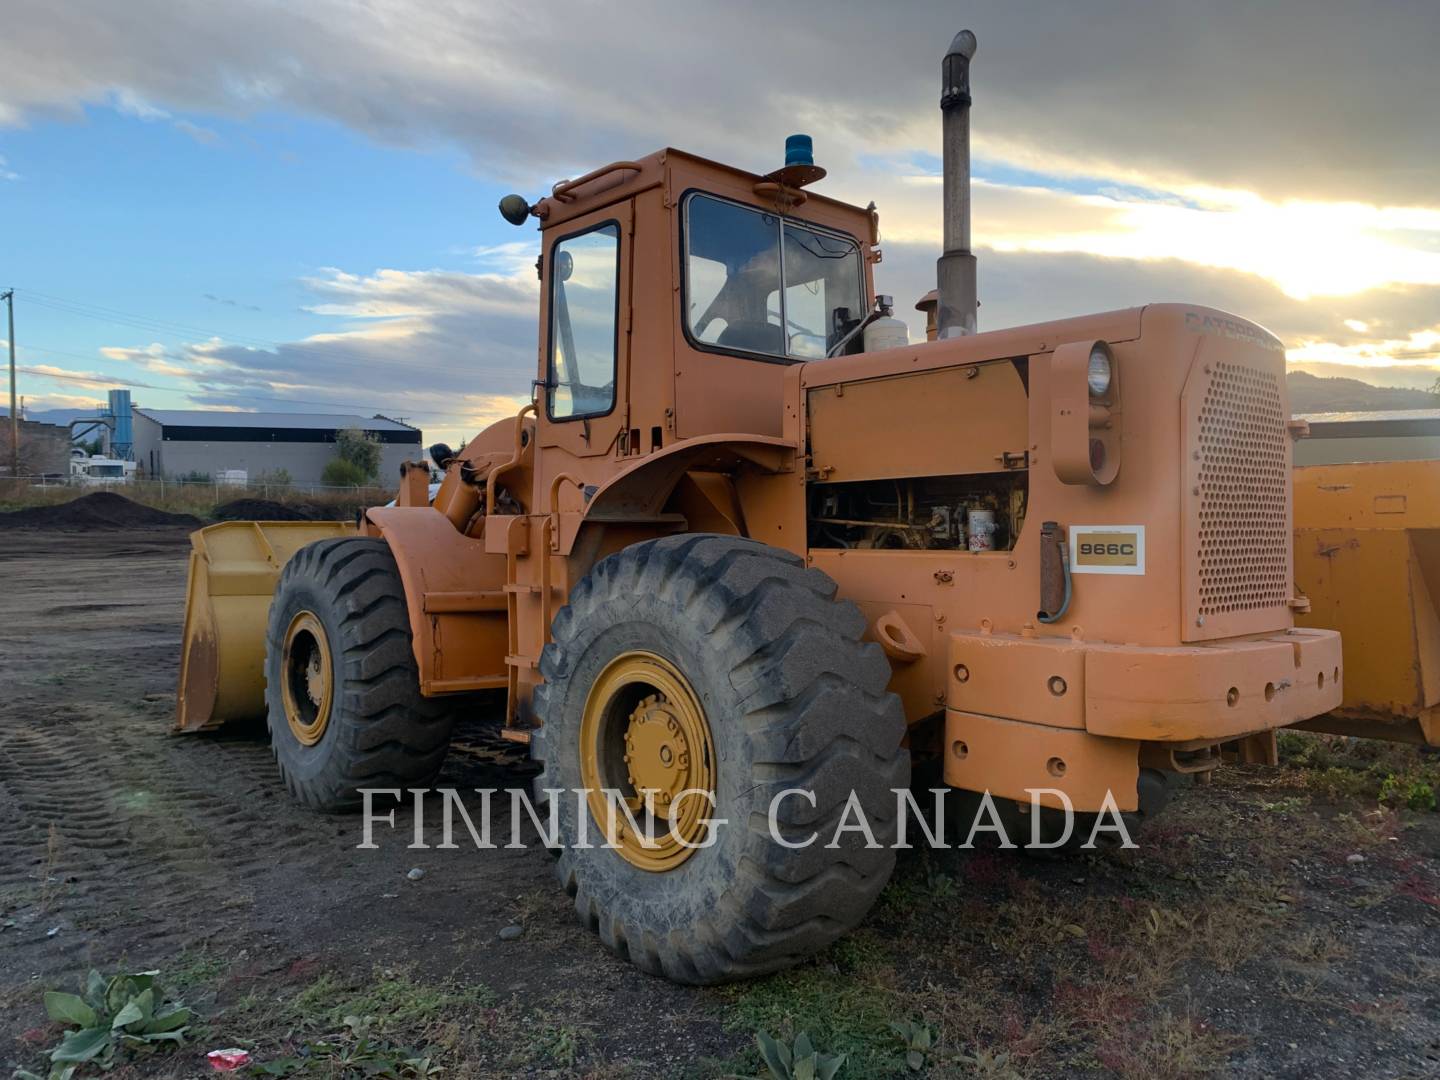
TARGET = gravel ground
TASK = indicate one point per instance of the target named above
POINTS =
(1242, 938)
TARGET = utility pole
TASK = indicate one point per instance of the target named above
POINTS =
(9, 299)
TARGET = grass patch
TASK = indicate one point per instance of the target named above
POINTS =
(341, 1026)
(1393, 774)
(846, 1002)
(393, 1001)
(1021, 969)
(1169, 1046)
(551, 1041)
(195, 969)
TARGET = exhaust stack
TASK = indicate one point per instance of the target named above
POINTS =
(955, 271)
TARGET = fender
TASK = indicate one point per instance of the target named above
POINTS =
(455, 592)
(638, 495)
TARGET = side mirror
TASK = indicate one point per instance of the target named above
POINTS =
(514, 209)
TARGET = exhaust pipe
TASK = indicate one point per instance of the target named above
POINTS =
(955, 271)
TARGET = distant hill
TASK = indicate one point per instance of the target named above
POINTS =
(50, 416)
(1312, 394)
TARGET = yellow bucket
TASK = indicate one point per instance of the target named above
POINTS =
(234, 568)
(1367, 555)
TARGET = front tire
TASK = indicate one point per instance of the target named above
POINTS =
(342, 689)
(733, 656)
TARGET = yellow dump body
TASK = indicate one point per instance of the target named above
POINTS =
(1367, 554)
(234, 568)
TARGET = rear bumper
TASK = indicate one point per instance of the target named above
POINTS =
(1046, 712)
(1219, 690)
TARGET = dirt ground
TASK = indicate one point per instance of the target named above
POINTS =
(1243, 938)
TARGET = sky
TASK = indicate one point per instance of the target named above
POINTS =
(267, 206)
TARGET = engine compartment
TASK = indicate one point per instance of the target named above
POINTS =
(975, 512)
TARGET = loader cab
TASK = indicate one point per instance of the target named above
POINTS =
(757, 283)
(677, 292)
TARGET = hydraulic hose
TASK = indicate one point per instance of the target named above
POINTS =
(1052, 539)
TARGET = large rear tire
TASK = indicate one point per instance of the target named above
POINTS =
(733, 658)
(342, 690)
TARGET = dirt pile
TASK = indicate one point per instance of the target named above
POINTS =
(265, 510)
(100, 510)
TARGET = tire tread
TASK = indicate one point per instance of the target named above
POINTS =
(794, 651)
(383, 733)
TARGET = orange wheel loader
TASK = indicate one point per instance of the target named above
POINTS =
(748, 557)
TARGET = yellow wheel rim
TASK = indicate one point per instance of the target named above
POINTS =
(644, 736)
(307, 680)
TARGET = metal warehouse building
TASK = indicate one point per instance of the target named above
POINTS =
(1398, 435)
(176, 443)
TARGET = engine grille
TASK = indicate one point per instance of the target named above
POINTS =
(1243, 495)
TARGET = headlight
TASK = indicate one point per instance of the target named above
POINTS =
(1098, 373)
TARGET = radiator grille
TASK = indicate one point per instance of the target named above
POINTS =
(1244, 535)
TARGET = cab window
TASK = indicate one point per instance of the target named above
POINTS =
(759, 283)
(584, 316)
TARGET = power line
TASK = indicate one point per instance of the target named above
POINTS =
(116, 316)
(131, 385)
(61, 302)
(145, 322)
(100, 313)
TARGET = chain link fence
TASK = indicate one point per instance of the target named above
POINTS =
(222, 489)
(194, 495)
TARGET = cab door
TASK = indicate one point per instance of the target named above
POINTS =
(585, 339)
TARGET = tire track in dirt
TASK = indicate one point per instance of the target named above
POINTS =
(196, 827)
(132, 811)
(164, 845)
(127, 839)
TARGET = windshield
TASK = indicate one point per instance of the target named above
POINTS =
(758, 282)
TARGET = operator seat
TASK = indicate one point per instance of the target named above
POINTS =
(763, 337)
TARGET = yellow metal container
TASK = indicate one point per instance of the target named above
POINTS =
(1367, 555)
(234, 568)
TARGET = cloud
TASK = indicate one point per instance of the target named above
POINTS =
(1308, 249)
(397, 293)
(451, 351)
(1420, 348)
(127, 102)
(47, 402)
(7, 173)
(1263, 97)
(203, 135)
(98, 380)
(455, 351)
(1244, 155)
(513, 258)
(1401, 324)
